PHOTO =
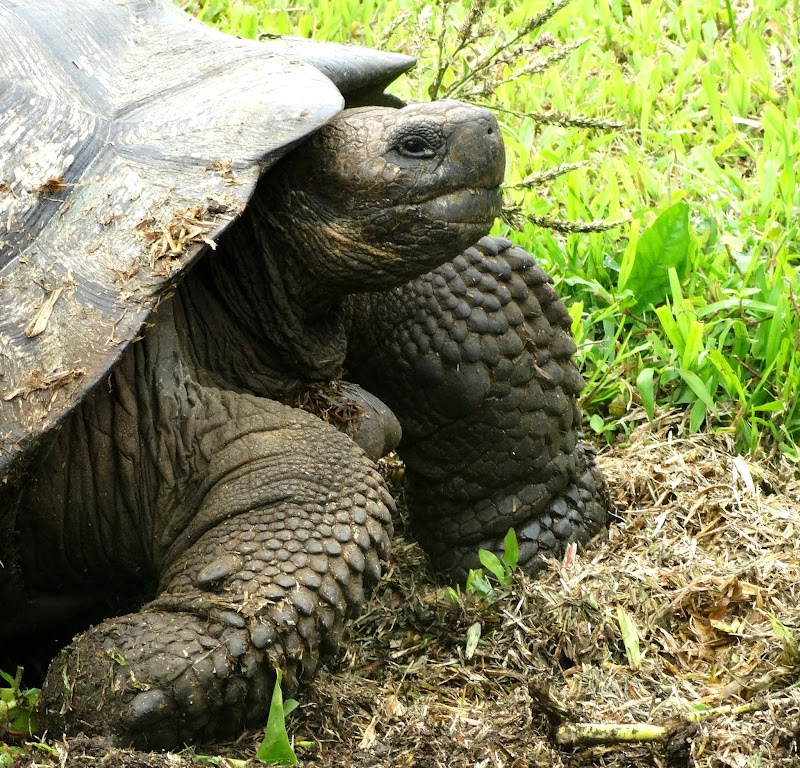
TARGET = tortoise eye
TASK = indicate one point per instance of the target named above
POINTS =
(416, 146)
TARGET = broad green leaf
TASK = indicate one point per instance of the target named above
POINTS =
(694, 344)
(645, 383)
(664, 245)
(724, 144)
(695, 383)
(596, 423)
(275, 748)
(510, 552)
(671, 329)
(697, 415)
(775, 333)
(575, 312)
(775, 406)
(491, 562)
(629, 256)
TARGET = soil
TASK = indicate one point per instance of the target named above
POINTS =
(686, 617)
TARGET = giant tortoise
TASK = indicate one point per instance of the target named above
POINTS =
(194, 234)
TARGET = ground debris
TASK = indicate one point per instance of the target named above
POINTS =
(702, 559)
(328, 401)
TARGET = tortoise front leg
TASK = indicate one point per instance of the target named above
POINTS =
(289, 532)
(475, 360)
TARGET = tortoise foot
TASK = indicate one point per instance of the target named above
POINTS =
(545, 524)
(156, 680)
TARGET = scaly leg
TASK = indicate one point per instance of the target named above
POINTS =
(475, 360)
(291, 523)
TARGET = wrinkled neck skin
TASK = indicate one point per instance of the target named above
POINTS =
(254, 318)
(263, 313)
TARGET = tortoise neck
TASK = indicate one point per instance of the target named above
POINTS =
(250, 322)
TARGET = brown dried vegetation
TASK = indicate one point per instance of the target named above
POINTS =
(168, 239)
(702, 560)
(51, 186)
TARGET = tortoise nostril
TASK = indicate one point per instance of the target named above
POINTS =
(491, 131)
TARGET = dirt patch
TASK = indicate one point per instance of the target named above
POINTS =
(702, 564)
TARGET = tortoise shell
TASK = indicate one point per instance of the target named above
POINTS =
(133, 135)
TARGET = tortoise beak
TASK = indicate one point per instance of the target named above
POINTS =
(479, 206)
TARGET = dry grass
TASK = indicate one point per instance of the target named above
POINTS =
(182, 228)
(702, 559)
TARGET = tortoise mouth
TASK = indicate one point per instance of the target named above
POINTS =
(481, 205)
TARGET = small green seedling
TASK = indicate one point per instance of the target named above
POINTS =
(17, 706)
(9, 754)
(275, 748)
(478, 584)
(502, 568)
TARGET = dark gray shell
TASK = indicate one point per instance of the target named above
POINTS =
(131, 136)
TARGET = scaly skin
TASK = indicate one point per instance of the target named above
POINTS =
(264, 529)
(269, 586)
(483, 383)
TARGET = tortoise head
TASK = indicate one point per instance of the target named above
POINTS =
(381, 195)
